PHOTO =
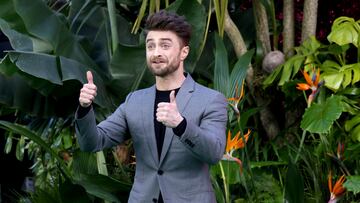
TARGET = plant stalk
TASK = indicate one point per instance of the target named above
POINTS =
(301, 145)
(113, 24)
(226, 186)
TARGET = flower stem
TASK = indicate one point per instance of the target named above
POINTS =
(301, 145)
(226, 187)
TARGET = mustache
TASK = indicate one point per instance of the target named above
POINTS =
(156, 58)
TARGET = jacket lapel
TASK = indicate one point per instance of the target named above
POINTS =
(182, 98)
(148, 103)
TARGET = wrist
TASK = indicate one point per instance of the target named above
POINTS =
(179, 120)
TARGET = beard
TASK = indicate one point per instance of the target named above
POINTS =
(164, 68)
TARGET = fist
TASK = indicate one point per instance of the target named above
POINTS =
(167, 112)
(88, 91)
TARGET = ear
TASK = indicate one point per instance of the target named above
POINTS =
(184, 52)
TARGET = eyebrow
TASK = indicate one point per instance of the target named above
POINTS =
(161, 39)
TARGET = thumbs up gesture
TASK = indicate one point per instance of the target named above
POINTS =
(167, 112)
(88, 92)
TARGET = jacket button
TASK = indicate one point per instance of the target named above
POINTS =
(160, 172)
(154, 200)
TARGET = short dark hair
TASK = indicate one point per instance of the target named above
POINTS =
(168, 21)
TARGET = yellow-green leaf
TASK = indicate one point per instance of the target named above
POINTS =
(333, 80)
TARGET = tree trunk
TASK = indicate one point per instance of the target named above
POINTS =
(262, 26)
(267, 118)
(310, 19)
(289, 28)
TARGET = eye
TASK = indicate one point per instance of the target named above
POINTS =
(150, 46)
(165, 46)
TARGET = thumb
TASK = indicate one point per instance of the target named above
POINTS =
(172, 97)
(89, 77)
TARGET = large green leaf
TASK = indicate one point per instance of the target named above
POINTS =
(46, 25)
(105, 187)
(333, 80)
(16, 93)
(353, 184)
(231, 171)
(91, 20)
(320, 117)
(350, 124)
(38, 66)
(294, 185)
(84, 163)
(56, 78)
(355, 133)
(238, 73)
(129, 70)
(345, 31)
(336, 76)
(70, 192)
(221, 70)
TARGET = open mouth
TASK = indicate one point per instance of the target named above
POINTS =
(158, 61)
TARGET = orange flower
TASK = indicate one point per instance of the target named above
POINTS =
(337, 190)
(236, 99)
(233, 144)
(311, 83)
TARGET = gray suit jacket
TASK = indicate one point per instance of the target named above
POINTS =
(182, 173)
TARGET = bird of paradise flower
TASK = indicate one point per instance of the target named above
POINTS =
(233, 144)
(338, 190)
(312, 83)
(234, 101)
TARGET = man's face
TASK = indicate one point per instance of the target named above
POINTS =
(164, 52)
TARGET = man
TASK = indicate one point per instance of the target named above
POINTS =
(177, 126)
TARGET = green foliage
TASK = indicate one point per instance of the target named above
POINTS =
(42, 76)
(15, 128)
(225, 81)
(345, 31)
(267, 188)
(320, 117)
(305, 56)
(231, 171)
(352, 184)
(54, 48)
(336, 76)
(294, 186)
(352, 126)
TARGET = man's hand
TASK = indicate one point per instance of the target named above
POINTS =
(167, 113)
(88, 92)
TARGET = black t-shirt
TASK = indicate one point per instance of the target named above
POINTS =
(164, 96)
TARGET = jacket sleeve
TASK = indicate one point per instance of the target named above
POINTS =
(207, 141)
(106, 134)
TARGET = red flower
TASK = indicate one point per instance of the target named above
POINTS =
(337, 190)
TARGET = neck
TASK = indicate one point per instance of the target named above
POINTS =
(171, 81)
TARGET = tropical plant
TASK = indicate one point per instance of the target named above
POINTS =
(332, 105)
(42, 75)
(288, 153)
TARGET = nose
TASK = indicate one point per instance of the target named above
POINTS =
(157, 52)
